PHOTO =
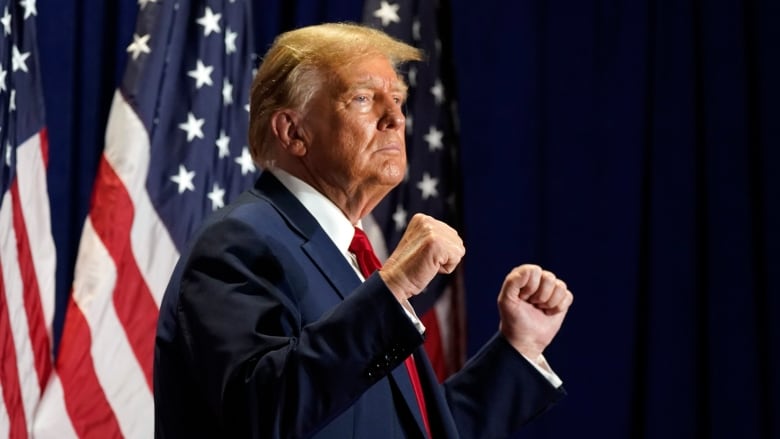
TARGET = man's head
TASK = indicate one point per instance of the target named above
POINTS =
(327, 107)
(302, 62)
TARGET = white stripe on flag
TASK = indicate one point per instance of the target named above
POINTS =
(444, 313)
(17, 317)
(5, 423)
(127, 150)
(37, 218)
(51, 421)
(116, 367)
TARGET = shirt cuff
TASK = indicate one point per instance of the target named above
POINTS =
(540, 363)
(409, 310)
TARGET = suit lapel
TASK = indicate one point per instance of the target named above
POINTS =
(329, 260)
(325, 255)
(317, 245)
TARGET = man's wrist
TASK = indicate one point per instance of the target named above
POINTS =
(403, 291)
(526, 348)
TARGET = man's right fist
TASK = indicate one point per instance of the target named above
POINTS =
(427, 247)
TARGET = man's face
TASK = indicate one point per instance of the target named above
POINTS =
(354, 127)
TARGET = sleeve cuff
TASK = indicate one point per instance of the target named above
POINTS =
(409, 310)
(541, 364)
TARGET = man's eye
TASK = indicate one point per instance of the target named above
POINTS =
(362, 98)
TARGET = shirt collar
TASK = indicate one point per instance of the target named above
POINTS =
(332, 220)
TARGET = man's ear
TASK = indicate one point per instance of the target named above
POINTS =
(286, 126)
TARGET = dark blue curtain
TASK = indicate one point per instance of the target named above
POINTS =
(632, 147)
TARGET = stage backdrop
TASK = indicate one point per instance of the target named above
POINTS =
(632, 147)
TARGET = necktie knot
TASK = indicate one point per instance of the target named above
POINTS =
(366, 258)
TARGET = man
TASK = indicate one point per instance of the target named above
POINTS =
(274, 325)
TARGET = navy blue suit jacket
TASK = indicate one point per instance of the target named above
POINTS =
(265, 331)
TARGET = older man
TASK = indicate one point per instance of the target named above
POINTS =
(279, 321)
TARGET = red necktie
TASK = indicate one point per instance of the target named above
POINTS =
(368, 263)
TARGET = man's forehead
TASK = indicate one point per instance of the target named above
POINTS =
(373, 81)
(363, 65)
(355, 77)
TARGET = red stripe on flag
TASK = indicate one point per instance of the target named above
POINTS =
(88, 408)
(134, 303)
(9, 374)
(44, 135)
(433, 344)
(458, 323)
(36, 323)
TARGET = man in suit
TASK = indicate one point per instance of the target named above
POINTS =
(276, 323)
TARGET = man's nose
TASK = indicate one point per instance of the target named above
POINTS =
(393, 118)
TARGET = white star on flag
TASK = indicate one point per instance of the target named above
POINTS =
(227, 92)
(416, 29)
(8, 154)
(29, 8)
(388, 13)
(3, 73)
(201, 74)
(409, 124)
(222, 144)
(139, 45)
(193, 127)
(217, 197)
(428, 186)
(143, 3)
(184, 179)
(245, 160)
(438, 91)
(12, 101)
(230, 41)
(399, 217)
(6, 20)
(434, 138)
(412, 74)
(19, 59)
(210, 22)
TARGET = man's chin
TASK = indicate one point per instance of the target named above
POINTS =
(393, 175)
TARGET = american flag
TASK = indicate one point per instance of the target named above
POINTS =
(27, 258)
(175, 150)
(430, 186)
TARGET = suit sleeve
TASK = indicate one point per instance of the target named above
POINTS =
(264, 372)
(497, 392)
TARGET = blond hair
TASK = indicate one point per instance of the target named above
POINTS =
(297, 65)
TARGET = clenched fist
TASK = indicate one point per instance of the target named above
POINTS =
(427, 247)
(532, 304)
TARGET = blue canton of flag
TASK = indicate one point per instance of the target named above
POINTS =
(21, 112)
(431, 183)
(189, 78)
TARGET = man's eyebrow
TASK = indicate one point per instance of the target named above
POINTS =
(398, 86)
